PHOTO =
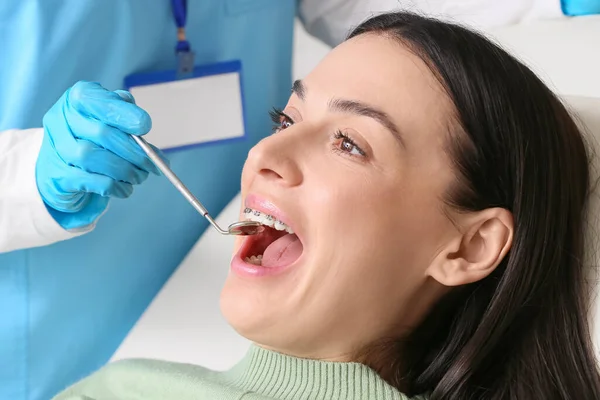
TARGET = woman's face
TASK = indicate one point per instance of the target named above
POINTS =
(358, 171)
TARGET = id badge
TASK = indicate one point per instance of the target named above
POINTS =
(205, 106)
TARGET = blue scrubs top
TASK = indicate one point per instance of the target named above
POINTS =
(65, 308)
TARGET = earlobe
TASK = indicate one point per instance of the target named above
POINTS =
(475, 252)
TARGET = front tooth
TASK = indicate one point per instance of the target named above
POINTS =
(266, 219)
(252, 215)
(269, 220)
(279, 225)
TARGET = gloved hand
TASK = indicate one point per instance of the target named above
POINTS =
(88, 156)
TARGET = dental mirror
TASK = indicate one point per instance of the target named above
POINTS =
(241, 228)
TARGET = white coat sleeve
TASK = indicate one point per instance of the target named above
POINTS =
(24, 220)
(332, 20)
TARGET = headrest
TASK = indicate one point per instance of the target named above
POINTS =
(586, 112)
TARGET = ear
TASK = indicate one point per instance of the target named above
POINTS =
(480, 244)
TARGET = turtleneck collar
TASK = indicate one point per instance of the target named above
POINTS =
(285, 377)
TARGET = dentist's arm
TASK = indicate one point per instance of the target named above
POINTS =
(24, 219)
(56, 182)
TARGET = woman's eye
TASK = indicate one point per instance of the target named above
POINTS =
(285, 123)
(280, 119)
(347, 145)
(350, 147)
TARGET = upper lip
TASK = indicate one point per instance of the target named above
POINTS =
(265, 206)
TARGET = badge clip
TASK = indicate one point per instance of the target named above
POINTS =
(185, 64)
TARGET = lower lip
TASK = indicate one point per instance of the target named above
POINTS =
(244, 269)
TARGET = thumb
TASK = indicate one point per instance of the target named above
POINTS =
(125, 95)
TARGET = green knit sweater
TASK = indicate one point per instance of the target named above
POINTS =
(261, 375)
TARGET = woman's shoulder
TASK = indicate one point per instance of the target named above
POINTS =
(151, 379)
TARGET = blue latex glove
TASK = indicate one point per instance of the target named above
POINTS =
(88, 156)
(580, 7)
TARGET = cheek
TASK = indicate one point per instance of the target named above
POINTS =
(357, 230)
(372, 250)
(373, 223)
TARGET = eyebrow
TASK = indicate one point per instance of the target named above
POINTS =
(354, 107)
(300, 90)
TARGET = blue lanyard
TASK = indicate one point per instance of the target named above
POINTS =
(185, 57)
(180, 15)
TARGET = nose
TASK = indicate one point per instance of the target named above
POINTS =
(277, 159)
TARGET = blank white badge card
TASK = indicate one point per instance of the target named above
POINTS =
(204, 108)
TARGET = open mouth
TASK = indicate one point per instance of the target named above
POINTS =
(277, 246)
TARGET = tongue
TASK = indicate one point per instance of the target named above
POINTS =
(282, 251)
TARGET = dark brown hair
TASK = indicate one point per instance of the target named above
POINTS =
(522, 332)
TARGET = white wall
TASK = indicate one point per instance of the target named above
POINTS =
(308, 51)
(564, 52)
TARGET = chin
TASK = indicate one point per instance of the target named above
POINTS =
(241, 309)
(262, 322)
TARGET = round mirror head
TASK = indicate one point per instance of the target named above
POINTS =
(246, 228)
